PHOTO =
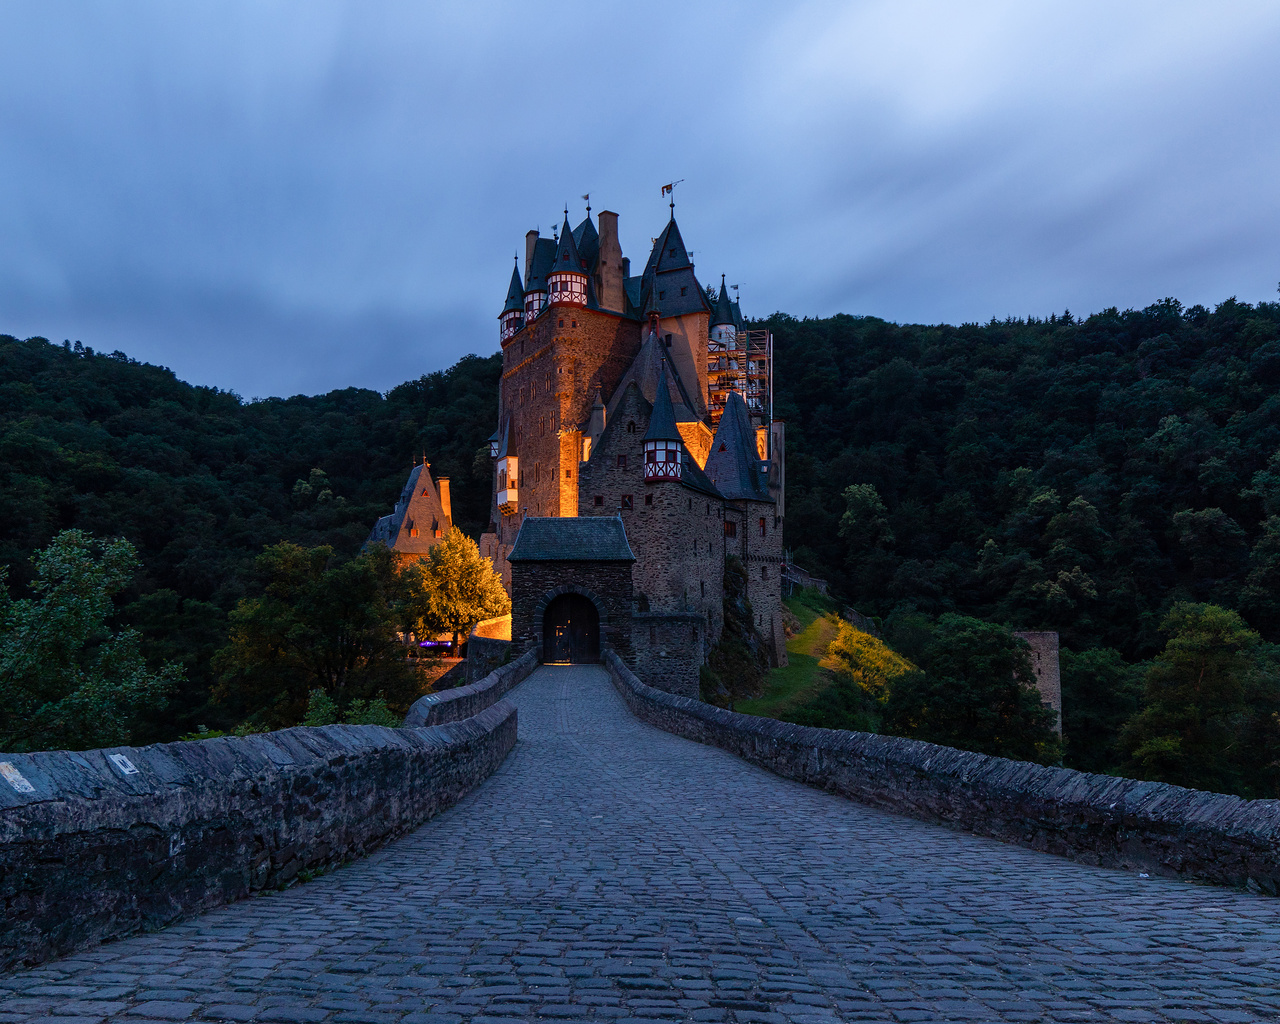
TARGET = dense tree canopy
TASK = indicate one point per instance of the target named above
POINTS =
(1076, 475)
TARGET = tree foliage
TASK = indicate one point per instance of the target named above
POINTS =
(456, 587)
(66, 680)
(321, 622)
(1209, 719)
(977, 693)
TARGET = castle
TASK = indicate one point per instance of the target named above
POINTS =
(635, 451)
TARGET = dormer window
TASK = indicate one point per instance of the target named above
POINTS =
(684, 291)
(662, 295)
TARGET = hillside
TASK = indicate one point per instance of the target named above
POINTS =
(1078, 475)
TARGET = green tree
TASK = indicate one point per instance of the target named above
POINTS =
(1210, 704)
(456, 588)
(1100, 693)
(320, 622)
(976, 693)
(65, 679)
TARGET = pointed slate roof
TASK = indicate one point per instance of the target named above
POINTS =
(544, 258)
(668, 252)
(507, 447)
(567, 256)
(662, 423)
(724, 307)
(515, 294)
(571, 539)
(587, 239)
(668, 285)
(733, 465)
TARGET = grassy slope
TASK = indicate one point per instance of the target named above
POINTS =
(802, 679)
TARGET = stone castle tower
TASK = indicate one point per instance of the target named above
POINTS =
(640, 399)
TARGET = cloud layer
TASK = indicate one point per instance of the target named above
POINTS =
(286, 197)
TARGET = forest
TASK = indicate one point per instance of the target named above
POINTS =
(1085, 475)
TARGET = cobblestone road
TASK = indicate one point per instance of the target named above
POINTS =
(610, 871)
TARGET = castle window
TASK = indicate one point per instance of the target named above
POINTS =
(631, 427)
(573, 323)
(672, 251)
(764, 572)
(648, 499)
(561, 323)
(413, 533)
(568, 474)
(730, 528)
(667, 339)
(627, 501)
(622, 462)
(704, 587)
(684, 291)
(662, 295)
(762, 526)
(537, 472)
(653, 634)
(598, 500)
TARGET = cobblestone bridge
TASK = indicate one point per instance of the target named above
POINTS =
(610, 871)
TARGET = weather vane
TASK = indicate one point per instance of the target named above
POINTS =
(670, 189)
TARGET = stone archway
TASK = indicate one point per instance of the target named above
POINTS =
(570, 630)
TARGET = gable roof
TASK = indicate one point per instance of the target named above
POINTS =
(515, 294)
(733, 465)
(571, 539)
(418, 507)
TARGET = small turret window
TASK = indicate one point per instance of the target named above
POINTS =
(627, 501)
(684, 291)
(631, 427)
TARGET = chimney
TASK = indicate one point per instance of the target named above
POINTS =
(611, 263)
(530, 240)
(446, 506)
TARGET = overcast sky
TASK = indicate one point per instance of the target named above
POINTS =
(291, 197)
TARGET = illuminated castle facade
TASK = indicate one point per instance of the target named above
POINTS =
(640, 399)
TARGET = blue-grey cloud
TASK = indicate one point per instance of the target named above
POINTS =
(284, 197)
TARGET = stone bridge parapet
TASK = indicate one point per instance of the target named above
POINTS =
(1097, 819)
(101, 843)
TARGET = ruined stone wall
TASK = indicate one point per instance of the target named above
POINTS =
(1044, 662)
(1097, 819)
(101, 843)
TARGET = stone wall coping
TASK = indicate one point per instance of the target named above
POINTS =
(656, 617)
(462, 702)
(97, 844)
(1098, 819)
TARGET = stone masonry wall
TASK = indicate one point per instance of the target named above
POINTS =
(1122, 823)
(669, 649)
(102, 843)
(675, 532)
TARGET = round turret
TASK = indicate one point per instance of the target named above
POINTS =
(567, 279)
(512, 316)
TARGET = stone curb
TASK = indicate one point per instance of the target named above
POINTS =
(110, 842)
(1097, 819)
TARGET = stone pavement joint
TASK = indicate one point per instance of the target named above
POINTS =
(612, 872)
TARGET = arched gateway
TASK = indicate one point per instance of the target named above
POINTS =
(571, 588)
(570, 631)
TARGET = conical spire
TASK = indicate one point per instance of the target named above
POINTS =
(662, 424)
(567, 258)
(515, 294)
(724, 307)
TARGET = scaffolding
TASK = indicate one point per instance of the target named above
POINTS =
(745, 365)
